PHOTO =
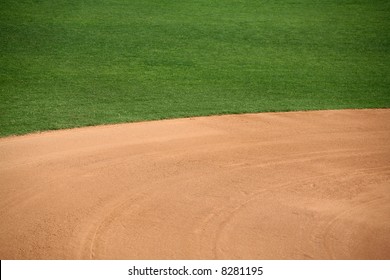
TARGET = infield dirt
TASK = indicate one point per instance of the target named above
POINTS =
(298, 185)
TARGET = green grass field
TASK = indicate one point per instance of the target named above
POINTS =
(70, 63)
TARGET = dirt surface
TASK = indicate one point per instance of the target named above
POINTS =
(300, 185)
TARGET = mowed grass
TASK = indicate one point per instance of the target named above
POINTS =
(69, 63)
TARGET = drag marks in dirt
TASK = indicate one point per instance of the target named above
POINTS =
(298, 185)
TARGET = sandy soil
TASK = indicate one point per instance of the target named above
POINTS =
(301, 185)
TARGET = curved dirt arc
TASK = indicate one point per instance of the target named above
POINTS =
(297, 185)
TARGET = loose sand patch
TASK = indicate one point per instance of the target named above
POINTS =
(299, 185)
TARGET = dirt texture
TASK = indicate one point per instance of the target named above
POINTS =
(298, 185)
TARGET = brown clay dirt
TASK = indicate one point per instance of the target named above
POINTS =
(299, 185)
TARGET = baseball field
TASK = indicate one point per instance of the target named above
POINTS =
(160, 129)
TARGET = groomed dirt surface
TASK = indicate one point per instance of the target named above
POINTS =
(299, 185)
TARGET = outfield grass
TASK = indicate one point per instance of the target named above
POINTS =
(69, 63)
